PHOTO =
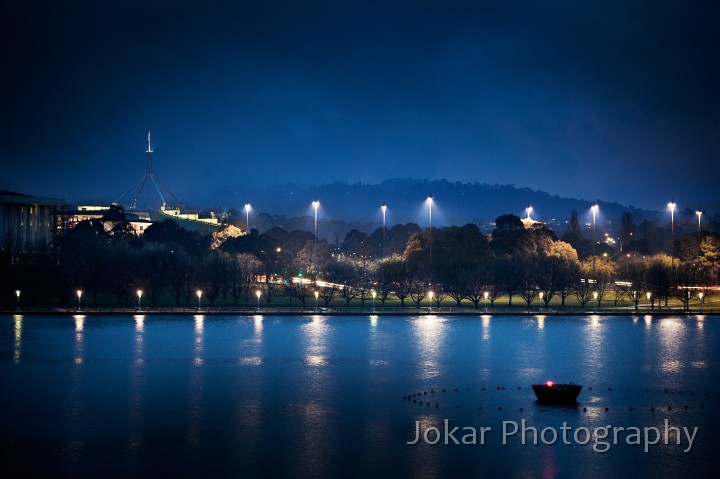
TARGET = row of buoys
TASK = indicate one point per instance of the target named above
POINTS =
(542, 409)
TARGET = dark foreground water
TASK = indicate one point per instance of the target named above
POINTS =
(278, 397)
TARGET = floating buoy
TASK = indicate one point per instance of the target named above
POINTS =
(542, 409)
(685, 406)
(702, 406)
(443, 390)
(457, 406)
(607, 409)
(437, 404)
(631, 408)
(404, 398)
(563, 409)
(420, 402)
(414, 400)
(468, 389)
(521, 409)
(455, 389)
(584, 409)
(669, 408)
(679, 392)
(432, 391)
(479, 407)
(692, 394)
(609, 389)
(503, 388)
(425, 393)
(665, 390)
(500, 408)
(483, 389)
(647, 390)
(652, 408)
(590, 389)
(628, 389)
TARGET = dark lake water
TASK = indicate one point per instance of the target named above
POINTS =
(270, 396)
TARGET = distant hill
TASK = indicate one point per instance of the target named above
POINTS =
(454, 202)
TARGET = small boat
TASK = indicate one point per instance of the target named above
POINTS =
(557, 393)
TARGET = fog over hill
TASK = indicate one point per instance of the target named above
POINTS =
(455, 203)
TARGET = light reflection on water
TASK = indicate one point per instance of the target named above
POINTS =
(429, 335)
(321, 396)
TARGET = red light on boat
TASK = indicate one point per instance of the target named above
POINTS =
(549, 384)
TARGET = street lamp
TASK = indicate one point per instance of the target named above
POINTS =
(485, 298)
(649, 295)
(199, 295)
(79, 296)
(699, 215)
(139, 295)
(702, 301)
(594, 208)
(374, 294)
(315, 205)
(430, 297)
(316, 298)
(17, 294)
(672, 206)
(384, 210)
(258, 293)
(430, 204)
(247, 215)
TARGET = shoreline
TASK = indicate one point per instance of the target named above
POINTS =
(394, 311)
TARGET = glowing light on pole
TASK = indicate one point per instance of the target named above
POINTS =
(430, 204)
(139, 295)
(648, 295)
(258, 293)
(384, 210)
(17, 294)
(430, 297)
(700, 297)
(672, 206)
(315, 205)
(79, 296)
(528, 210)
(485, 298)
(374, 294)
(199, 295)
(247, 215)
(316, 298)
(699, 215)
(594, 208)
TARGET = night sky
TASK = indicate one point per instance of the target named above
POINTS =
(605, 99)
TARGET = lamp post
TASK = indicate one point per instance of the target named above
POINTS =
(430, 297)
(430, 204)
(199, 295)
(258, 293)
(702, 301)
(315, 205)
(316, 298)
(374, 294)
(384, 210)
(699, 215)
(17, 294)
(247, 215)
(672, 206)
(485, 298)
(649, 295)
(594, 208)
(139, 295)
(79, 296)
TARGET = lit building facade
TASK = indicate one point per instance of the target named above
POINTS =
(27, 219)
